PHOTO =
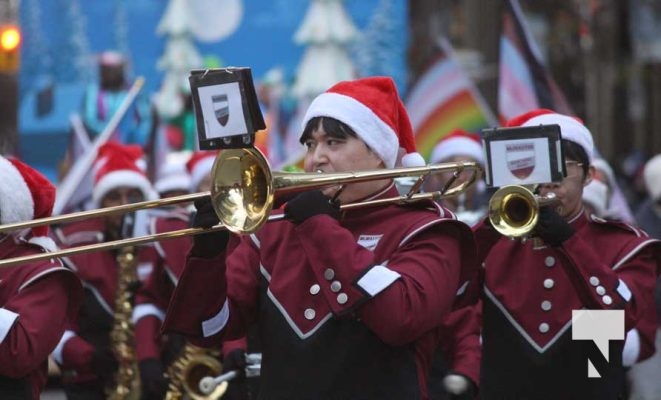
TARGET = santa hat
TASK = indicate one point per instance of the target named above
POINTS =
(174, 175)
(373, 109)
(596, 195)
(652, 177)
(458, 143)
(25, 194)
(571, 128)
(199, 166)
(118, 166)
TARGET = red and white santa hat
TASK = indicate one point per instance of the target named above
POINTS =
(25, 194)
(459, 142)
(652, 177)
(571, 128)
(119, 165)
(199, 165)
(373, 109)
(174, 175)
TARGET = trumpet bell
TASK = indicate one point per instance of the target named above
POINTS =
(513, 211)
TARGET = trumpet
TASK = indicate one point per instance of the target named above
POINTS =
(243, 193)
(514, 210)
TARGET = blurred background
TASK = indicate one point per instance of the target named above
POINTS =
(468, 63)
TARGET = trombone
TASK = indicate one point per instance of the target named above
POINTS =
(243, 194)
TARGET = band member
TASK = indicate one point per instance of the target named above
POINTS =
(345, 301)
(460, 146)
(173, 179)
(37, 297)
(574, 262)
(156, 352)
(87, 352)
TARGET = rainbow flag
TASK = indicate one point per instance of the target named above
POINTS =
(442, 99)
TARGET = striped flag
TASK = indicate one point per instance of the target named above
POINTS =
(524, 83)
(444, 98)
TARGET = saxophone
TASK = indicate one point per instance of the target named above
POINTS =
(187, 371)
(122, 339)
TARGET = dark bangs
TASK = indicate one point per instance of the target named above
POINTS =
(331, 126)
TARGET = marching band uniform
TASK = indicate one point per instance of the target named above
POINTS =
(460, 354)
(155, 351)
(37, 297)
(85, 349)
(531, 288)
(355, 317)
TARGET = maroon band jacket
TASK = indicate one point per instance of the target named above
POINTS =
(36, 299)
(530, 291)
(345, 309)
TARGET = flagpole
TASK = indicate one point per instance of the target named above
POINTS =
(81, 167)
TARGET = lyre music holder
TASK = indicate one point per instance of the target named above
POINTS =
(523, 155)
(226, 109)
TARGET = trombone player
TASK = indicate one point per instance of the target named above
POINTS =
(35, 298)
(345, 302)
(574, 262)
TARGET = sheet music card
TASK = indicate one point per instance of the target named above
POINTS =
(523, 155)
(226, 109)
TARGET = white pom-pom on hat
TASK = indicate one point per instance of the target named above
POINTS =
(26, 194)
(652, 177)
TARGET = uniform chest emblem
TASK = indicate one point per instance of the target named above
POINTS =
(369, 241)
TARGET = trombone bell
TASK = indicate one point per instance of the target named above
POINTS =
(241, 190)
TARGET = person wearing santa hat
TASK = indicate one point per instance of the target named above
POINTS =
(155, 351)
(460, 146)
(574, 262)
(346, 302)
(644, 377)
(37, 297)
(85, 350)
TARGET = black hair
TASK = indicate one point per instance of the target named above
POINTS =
(332, 127)
(575, 152)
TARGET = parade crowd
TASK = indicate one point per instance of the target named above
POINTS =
(392, 300)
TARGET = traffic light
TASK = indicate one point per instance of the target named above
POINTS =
(10, 44)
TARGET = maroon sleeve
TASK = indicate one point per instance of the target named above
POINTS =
(42, 308)
(148, 337)
(77, 354)
(485, 237)
(200, 295)
(460, 341)
(424, 272)
(629, 285)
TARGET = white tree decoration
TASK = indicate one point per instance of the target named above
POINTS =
(328, 31)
